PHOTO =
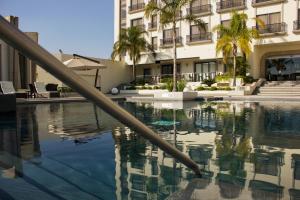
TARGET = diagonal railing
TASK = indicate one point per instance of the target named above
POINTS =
(43, 58)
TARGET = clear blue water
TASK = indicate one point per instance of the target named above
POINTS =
(76, 151)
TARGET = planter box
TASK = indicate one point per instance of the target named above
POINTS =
(175, 96)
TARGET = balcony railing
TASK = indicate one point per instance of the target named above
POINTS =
(272, 28)
(152, 26)
(136, 7)
(265, 2)
(189, 77)
(297, 25)
(166, 42)
(199, 37)
(199, 10)
(229, 5)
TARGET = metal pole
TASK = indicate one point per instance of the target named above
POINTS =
(29, 48)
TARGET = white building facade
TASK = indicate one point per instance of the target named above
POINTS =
(196, 52)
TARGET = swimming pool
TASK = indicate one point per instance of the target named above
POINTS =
(76, 151)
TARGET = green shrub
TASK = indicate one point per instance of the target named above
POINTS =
(200, 88)
(65, 89)
(223, 78)
(248, 79)
(163, 87)
(209, 82)
(165, 80)
(156, 87)
(181, 85)
(131, 88)
(213, 88)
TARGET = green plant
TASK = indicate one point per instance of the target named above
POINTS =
(181, 85)
(65, 89)
(156, 87)
(200, 88)
(209, 82)
(131, 88)
(169, 85)
(248, 79)
(228, 88)
(163, 87)
(213, 88)
(237, 36)
(222, 78)
(132, 42)
(168, 12)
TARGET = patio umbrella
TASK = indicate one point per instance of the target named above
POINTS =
(82, 64)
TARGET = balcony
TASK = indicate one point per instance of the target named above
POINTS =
(257, 3)
(199, 10)
(296, 26)
(229, 5)
(199, 38)
(152, 26)
(168, 42)
(272, 29)
(136, 8)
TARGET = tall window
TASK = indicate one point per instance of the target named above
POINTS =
(136, 2)
(137, 22)
(123, 13)
(154, 43)
(196, 30)
(154, 20)
(168, 69)
(271, 18)
(199, 3)
(226, 23)
(168, 34)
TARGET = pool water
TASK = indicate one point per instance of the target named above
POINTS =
(76, 151)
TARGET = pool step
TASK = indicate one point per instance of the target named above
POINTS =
(280, 88)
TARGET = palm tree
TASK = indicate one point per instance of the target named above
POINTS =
(170, 13)
(236, 37)
(131, 41)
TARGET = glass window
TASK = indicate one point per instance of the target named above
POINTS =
(169, 33)
(271, 18)
(154, 43)
(196, 30)
(198, 3)
(137, 22)
(226, 23)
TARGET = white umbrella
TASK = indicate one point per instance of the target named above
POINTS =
(81, 64)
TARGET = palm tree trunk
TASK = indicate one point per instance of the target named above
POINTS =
(234, 70)
(174, 59)
(133, 71)
(234, 64)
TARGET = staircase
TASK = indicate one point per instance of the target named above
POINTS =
(280, 88)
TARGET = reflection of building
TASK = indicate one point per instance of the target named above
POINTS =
(277, 49)
(14, 66)
(19, 141)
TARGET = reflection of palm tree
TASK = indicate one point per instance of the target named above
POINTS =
(231, 153)
(281, 63)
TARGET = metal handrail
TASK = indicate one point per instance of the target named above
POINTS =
(43, 58)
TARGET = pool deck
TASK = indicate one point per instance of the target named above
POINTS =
(142, 98)
(64, 99)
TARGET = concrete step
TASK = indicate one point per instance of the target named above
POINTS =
(279, 94)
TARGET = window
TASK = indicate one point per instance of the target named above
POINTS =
(137, 22)
(154, 19)
(271, 18)
(206, 67)
(196, 30)
(199, 3)
(168, 69)
(154, 43)
(226, 23)
(136, 2)
(167, 34)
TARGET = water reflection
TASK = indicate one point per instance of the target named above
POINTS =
(244, 150)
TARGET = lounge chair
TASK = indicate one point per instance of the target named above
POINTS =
(7, 87)
(38, 89)
(7, 97)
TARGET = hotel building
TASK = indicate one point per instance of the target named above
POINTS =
(14, 66)
(196, 52)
